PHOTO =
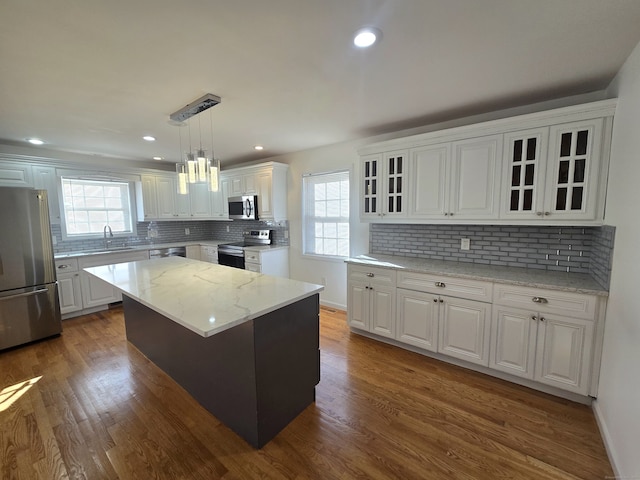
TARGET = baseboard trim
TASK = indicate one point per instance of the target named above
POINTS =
(335, 306)
(606, 438)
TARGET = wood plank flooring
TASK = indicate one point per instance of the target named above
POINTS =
(101, 410)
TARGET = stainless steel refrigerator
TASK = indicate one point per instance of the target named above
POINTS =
(29, 307)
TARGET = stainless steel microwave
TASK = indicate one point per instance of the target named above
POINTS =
(244, 207)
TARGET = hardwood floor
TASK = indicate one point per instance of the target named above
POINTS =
(101, 410)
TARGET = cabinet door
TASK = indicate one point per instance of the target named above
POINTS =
(219, 203)
(394, 168)
(513, 341)
(563, 352)
(475, 178)
(417, 319)
(429, 179)
(572, 173)
(193, 252)
(383, 310)
(525, 155)
(45, 178)
(370, 188)
(265, 194)
(70, 293)
(199, 200)
(464, 330)
(250, 184)
(15, 175)
(166, 190)
(149, 199)
(225, 187)
(358, 305)
(96, 292)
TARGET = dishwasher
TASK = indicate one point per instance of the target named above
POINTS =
(168, 252)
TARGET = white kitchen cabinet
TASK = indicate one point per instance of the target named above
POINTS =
(464, 329)
(417, 317)
(15, 174)
(428, 190)
(219, 205)
(371, 300)
(193, 252)
(69, 289)
(268, 181)
(45, 178)
(166, 197)
(544, 335)
(383, 185)
(199, 201)
(209, 253)
(270, 261)
(147, 199)
(554, 173)
(95, 292)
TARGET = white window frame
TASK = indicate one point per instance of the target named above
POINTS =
(130, 212)
(309, 219)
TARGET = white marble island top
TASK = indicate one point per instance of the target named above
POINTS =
(203, 297)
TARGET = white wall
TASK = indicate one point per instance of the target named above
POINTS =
(618, 404)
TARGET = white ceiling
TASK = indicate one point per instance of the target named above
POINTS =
(94, 76)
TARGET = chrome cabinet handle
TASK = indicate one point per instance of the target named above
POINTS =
(539, 300)
(370, 274)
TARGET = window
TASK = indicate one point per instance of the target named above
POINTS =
(326, 214)
(89, 205)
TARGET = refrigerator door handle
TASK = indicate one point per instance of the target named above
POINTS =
(27, 294)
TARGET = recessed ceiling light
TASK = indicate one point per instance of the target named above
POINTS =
(365, 37)
(258, 147)
(157, 158)
(149, 138)
(35, 141)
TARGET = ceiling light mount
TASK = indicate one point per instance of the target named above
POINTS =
(197, 106)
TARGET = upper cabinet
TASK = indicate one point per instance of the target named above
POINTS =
(546, 167)
(268, 181)
(383, 185)
(553, 173)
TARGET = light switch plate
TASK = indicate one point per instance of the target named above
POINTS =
(187, 231)
(465, 244)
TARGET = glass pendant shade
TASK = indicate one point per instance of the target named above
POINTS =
(214, 169)
(183, 185)
(191, 167)
(202, 166)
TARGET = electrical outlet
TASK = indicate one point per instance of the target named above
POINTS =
(465, 244)
(187, 231)
(227, 228)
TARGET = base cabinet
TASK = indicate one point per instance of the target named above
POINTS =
(371, 300)
(550, 349)
(69, 289)
(209, 253)
(550, 337)
(270, 261)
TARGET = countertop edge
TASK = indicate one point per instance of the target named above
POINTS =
(438, 270)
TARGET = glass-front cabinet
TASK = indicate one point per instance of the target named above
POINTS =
(383, 185)
(551, 173)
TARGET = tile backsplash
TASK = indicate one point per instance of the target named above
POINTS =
(170, 232)
(568, 249)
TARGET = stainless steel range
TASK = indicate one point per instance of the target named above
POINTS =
(232, 254)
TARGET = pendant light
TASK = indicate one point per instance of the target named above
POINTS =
(197, 168)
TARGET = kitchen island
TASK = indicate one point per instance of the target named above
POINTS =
(244, 345)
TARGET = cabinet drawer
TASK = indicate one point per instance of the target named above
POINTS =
(253, 267)
(252, 256)
(66, 265)
(440, 284)
(571, 304)
(380, 276)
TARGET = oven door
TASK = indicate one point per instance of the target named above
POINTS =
(231, 259)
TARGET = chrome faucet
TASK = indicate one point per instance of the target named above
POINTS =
(104, 233)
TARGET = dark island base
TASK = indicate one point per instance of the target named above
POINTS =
(255, 377)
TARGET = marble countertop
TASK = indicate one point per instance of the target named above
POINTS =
(569, 282)
(203, 297)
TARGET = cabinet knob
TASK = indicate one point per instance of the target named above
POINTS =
(446, 214)
(539, 214)
(435, 300)
(539, 300)
(440, 284)
(441, 301)
(63, 266)
(451, 214)
(547, 213)
(542, 319)
(533, 317)
(370, 274)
